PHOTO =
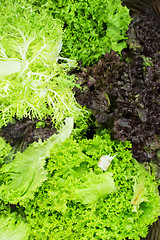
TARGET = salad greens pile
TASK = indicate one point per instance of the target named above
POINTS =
(123, 92)
(77, 198)
(67, 186)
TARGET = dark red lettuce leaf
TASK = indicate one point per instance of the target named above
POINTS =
(25, 131)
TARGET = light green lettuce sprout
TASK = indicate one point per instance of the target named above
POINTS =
(32, 81)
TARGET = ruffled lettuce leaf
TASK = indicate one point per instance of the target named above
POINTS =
(95, 188)
(21, 177)
(79, 199)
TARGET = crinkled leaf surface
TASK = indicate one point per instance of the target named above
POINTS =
(91, 27)
(80, 201)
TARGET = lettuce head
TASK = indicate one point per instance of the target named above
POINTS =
(33, 77)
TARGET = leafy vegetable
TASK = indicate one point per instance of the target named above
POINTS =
(96, 187)
(80, 201)
(33, 83)
(123, 93)
(12, 225)
(20, 133)
(21, 177)
(5, 148)
(11, 229)
(55, 189)
(91, 27)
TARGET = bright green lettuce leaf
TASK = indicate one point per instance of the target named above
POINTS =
(138, 192)
(33, 82)
(95, 187)
(80, 201)
(21, 177)
(140, 188)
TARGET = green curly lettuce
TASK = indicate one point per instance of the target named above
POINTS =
(33, 77)
(21, 178)
(81, 201)
(91, 27)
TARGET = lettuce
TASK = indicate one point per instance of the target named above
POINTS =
(22, 177)
(56, 189)
(59, 190)
(96, 187)
(5, 149)
(91, 27)
(33, 82)
(11, 229)
(12, 224)
(81, 201)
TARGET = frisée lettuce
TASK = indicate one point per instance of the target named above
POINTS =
(33, 82)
